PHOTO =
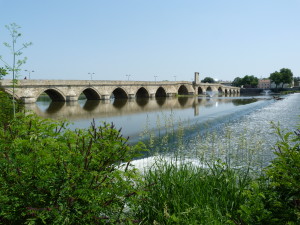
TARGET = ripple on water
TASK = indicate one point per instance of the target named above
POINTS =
(245, 140)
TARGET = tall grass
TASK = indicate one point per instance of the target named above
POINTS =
(186, 194)
(176, 140)
(198, 178)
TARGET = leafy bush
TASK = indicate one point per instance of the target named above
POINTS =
(52, 175)
(275, 197)
(6, 109)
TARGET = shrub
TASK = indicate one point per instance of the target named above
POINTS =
(52, 175)
(6, 109)
(275, 197)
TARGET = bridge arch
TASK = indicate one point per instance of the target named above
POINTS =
(220, 90)
(119, 93)
(91, 94)
(200, 91)
(182, 90)
(208, 88)
(160, 92)
(142, 93)
(54, 94)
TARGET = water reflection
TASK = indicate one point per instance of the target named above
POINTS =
(55, 107)
(91, 105)
(244, 101)
(117, 107)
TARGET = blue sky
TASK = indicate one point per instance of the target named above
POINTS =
(222, 39)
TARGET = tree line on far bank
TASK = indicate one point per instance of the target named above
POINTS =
(284, 76)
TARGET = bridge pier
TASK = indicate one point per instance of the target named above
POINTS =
(105, 97)
(28, 100)
(71, 98)
(152, 95)
(131, 96)
(171, 94)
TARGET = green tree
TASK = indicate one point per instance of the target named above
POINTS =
(286, 76)
(276, 78)
(208, 80)
(250, 81)
(237, 82)
(3, 72)
(16, 52)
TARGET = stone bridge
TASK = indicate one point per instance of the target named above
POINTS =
(70, 90)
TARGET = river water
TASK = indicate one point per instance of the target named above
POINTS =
(236, 129)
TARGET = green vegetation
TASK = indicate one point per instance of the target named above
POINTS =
(182, 193)
(52, 175)
(6, 109)
(3, 72)
(185, 194)
(17, 62)
(284, 76)
(208, 80)
(248, 81)
(289, 92)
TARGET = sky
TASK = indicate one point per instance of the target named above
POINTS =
(154, 39)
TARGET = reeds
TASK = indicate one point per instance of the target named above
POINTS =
(188, 194)
(198, 176)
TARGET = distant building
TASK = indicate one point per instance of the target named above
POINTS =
(264, 84)
(267, 84)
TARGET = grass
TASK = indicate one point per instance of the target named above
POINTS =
(289, 92)
(219, 178)
(185, 194)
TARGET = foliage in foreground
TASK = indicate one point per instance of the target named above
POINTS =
(52, 175)
(6, 109)
(49, 175)
(186, 194)
(275, 197)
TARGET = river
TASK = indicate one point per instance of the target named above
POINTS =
(236, 129)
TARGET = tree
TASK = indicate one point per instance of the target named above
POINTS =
(237, 82)
(208, 80)
(15, 67)
(247, 81)
(276, 78)
(3, 72)
(286, 76)
(250, 81)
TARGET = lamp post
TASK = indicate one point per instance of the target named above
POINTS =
(174, 78)
(29, 71)
(91, 75)
(127, 75)
(155, 78)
